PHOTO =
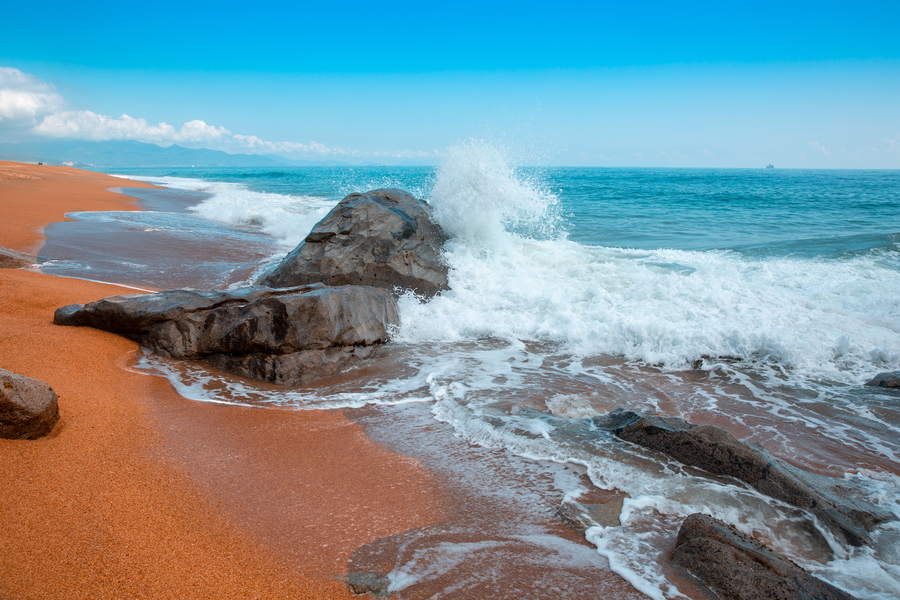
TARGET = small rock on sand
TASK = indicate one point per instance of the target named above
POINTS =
(28, 407)
(13, 259)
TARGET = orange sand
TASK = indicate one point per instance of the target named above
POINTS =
(139, 493)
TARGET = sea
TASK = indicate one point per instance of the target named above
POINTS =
(757, 300)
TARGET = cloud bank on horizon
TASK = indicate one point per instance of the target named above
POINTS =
(32, 107)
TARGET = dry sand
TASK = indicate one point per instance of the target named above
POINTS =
(139, 493)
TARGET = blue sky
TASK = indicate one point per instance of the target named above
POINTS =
(609, 84)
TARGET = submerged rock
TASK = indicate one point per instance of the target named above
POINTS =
(13, 259)
(715, 450)
(288, 336)
(360, 584)
(738, 567)
(384, 238)
(28, 407)
(582, 516)
(890, 379)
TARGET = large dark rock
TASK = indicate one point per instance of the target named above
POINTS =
(383, 238)
(28, 407)
(288, 336)
(714, 450)
(738, 567)
(891, 379)
(13, 259)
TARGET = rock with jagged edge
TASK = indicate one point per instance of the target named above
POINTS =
(288, 336)
(738, 567)
(384, 238)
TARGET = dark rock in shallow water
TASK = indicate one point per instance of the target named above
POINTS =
(13, 259)
(714, 450)
(28, 407)
(581, 516)
(288, 336)
(295, 368)
(360, 584)
(383, 238)
(738, 567)
(891, 379)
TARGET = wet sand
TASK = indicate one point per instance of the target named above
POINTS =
(140, 493)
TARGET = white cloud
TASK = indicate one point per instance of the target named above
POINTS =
(30, 105)
(87, 125)
(24, 99)
(674, 155)
(251, 142)
(401, 154)
(820, 147)
(198, 131)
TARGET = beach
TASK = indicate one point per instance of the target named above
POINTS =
(755, 301)
(140, 493)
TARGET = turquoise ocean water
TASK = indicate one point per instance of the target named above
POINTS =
(759, 300)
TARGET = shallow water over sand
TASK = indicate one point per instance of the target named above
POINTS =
(534, 407)
(163, 247)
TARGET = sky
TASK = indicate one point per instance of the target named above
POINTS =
(656, 84)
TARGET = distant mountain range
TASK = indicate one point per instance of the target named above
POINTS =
(130, 153)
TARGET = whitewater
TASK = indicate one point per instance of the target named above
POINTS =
(755, 300)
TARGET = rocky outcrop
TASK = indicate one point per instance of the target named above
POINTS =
(13, 259)
(738, 567)
(28, 407)
(292, 329)
(714, 450)
(383, 238)
(891, 379)
(288, 336)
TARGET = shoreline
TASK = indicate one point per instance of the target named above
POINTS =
(139, 492)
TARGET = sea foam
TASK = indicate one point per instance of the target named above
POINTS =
(287, 218)
(514, 274)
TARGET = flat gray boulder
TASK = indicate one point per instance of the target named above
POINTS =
(890, 379)
(715, 450)
(13, 259)
(287, 336)
(383, 238)
(28, 407)
(738, 567)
